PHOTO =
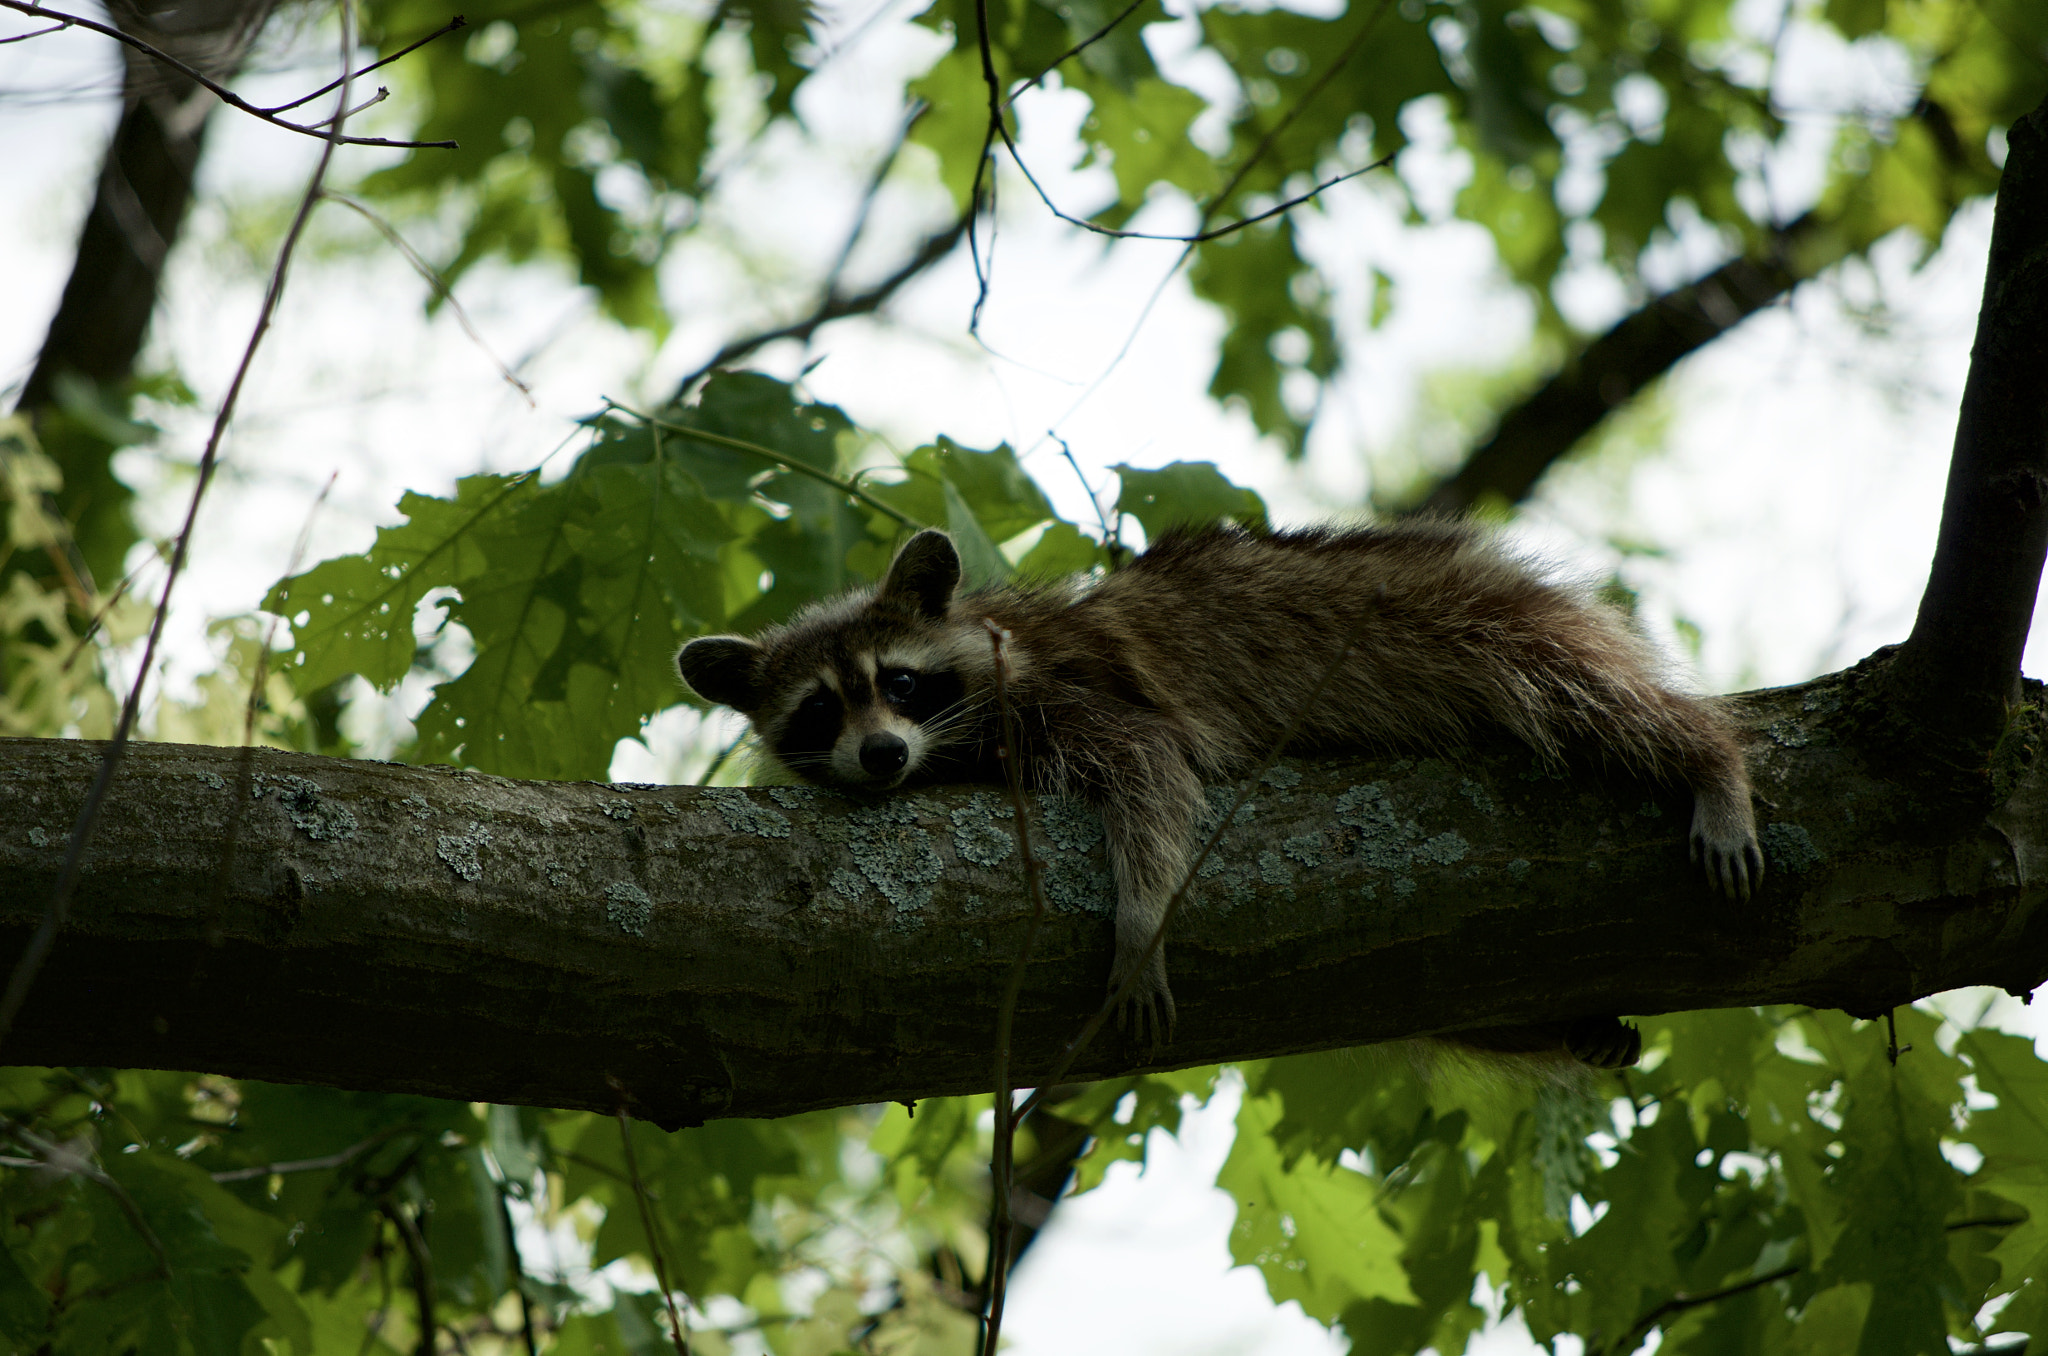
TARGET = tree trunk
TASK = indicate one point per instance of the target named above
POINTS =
(757, 952)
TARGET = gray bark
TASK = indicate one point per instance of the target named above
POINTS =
(753, 953)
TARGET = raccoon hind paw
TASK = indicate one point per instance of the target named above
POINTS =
(1604, 1042)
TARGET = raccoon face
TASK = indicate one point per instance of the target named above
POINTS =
(862, 692)
(874, 721)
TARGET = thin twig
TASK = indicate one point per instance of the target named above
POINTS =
(780, 459)
(433, 279)
(935, 247)
(518, 1266)
(1681, 1301)
(723, 757)
(325, 1161)
(1222, 196)
(1111, 541)
(415, 1244)
(260, 673)
(37, 33)
(62, 1158)
(38, 949)
(668, 1296)
(220, 91)
(1064, 57)
(1000, 127)
(979, 197)
(457, 22)
(1197, 237)
(97, 620)
(867, 199)
(1002, 1158)
(1244, 790)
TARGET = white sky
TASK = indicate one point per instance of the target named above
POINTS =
(1797, 489)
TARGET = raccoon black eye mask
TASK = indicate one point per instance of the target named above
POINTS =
(1184, 667)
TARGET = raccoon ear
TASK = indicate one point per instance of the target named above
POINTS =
(721, 669)
(925, 573)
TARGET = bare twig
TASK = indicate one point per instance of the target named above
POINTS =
(1221, 197)
(457, 22)
(1064, 57)
(415, 1245)
(37, 33)
(1002, 1159)
(834, 307)
(62, 1158)
(38, 949)
(260, 671)
(867, 199)
(1109, 534)
(1197, 237)
(97, 620)
(518, 1265)
(668, 1294)
(722, 757)
(1682, 1301)
(222, 92)
(320, 1164)
(433, 279)
(781, 460)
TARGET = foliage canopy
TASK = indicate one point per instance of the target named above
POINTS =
(1770, 1181)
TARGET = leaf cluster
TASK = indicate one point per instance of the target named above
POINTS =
(724, 515)
(1589, 131)
(156, 1213)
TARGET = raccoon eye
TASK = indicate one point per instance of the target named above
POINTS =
(817, 701)
(898, 684)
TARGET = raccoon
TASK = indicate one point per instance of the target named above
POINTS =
(1133, 690)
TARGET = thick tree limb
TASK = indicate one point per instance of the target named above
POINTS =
(733, 952)
(1959, 672)
(1614, 368)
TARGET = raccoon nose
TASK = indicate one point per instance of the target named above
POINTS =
(883, 754)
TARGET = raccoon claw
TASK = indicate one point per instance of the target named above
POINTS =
(1603, 1042)
(1146, 1013)
(1724, 842)
(1735, 870)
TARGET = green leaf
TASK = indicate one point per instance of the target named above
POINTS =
(1185, 494)
(354, 614)
(955, 122)
(1144, 136)
(981, 563)
(1855, 18)
(24, 1308)
(1312, 1228)
(1062, 549)
(1897, 1191)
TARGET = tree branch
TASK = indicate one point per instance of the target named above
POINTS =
(833, 306)
(222, 92)
(1615, 367)
(731, 952)
(1959, 672)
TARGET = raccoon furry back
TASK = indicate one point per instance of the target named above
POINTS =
(1134, 689)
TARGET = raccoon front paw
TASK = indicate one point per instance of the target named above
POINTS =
(1724, 841)
(1146, 1011)
(1603, 1042)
